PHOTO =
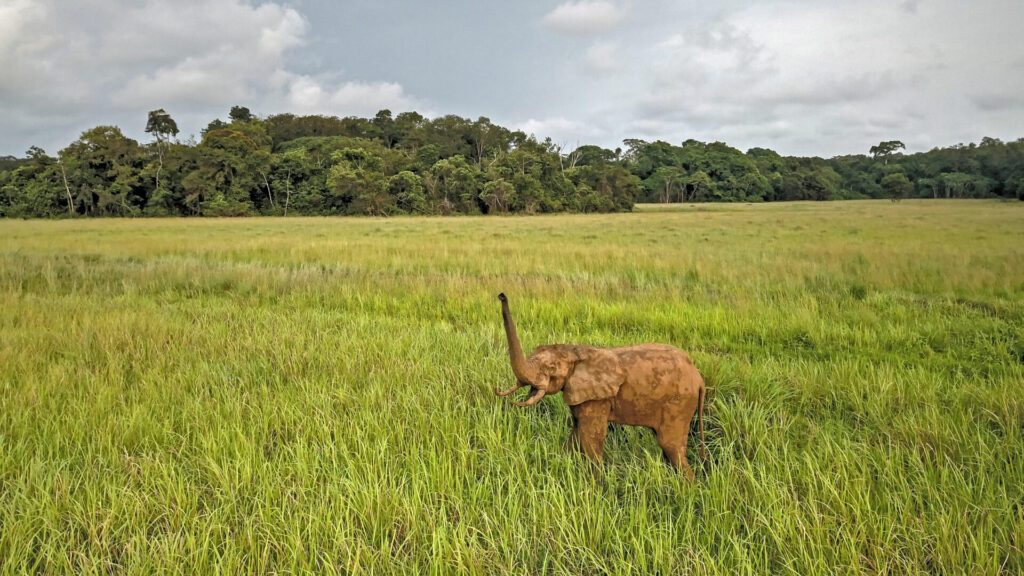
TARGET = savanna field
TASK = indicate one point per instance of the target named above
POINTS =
(314, 395)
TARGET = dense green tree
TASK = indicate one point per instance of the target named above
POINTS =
(289, 164)
(1014, 187)
(8, 163)
(696, 186)
(385, 128)
(896, 186)
(488, 140)
(35, 187)
(162, 127)
(407, 189)
(498, 195)
(451, 135)
(928, 187)
(240, 114)
(102, 172)
(367, 189)
(667, 183)
(228, 179)
(409, 128)
(810, 179)
(457, 185)
(860, 176)
(886, 149)
(215, 124)
(178, 161)
(590, 155)
(617, 188)
(287, 127)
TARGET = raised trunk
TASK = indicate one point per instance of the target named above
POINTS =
(522, 369)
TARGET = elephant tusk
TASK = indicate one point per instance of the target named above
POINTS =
(504, 393)
(533, 399)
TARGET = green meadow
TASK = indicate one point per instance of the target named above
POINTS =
(314, 395)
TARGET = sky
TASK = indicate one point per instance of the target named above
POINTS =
(803, 77)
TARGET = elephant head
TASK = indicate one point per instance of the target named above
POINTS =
(581, 373)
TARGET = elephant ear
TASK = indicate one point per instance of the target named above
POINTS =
(596, 376)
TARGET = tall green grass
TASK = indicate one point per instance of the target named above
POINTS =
(314, 395)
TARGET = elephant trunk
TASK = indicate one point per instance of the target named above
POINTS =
(520, 367)
(533, 398)
(504, 393)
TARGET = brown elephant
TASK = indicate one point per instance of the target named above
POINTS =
(650, 385)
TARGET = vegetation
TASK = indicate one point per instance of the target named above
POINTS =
(702, 172)
(288, 164)
(315, 395)
(407, 164)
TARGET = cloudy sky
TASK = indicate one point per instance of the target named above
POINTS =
(811, 77)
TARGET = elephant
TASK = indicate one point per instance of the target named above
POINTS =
(651, 385)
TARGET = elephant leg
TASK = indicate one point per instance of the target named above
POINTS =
(672, 438)
(592, 428)
(573, 442)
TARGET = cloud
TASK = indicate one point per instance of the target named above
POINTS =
(563, 131)
(310, 96)
(547, 126)
(25, 47)
(602, 58)
(910, 6)
(14, 16)
(585, 16)
(813, 78)
(800, 76)
(70, 66)
(998, 102)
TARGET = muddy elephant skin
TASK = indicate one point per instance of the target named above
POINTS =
(651, 385)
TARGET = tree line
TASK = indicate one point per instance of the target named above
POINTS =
(715, 172)
(408, 164)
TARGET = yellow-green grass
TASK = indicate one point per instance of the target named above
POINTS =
(314, 394)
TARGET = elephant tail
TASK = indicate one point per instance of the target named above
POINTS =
(700, 422)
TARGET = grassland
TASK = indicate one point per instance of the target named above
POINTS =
(314, 395)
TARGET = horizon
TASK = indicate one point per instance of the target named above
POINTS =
(197, 137)
(801, 78)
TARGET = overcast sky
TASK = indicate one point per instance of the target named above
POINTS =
(809, 77)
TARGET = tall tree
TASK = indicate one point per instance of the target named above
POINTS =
(162, 127)
(385, 125)
(886, 149)
(667, 180)
(227, 179)
(103, 169)
(240, 114)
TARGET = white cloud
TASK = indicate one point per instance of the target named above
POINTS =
(542, 128)
(998, 102)
(824, 78)
(309, 96)
(585, 16)
(801, 76)
(910, 6)
(15, 15)
(603, 58)
(563, 131)
(68, 67)
(25, 47)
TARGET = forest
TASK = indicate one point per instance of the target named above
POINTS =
(287, 164)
